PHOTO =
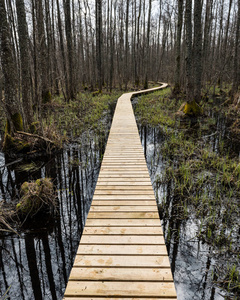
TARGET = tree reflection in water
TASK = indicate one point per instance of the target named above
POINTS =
(191, 261)
(36, 264)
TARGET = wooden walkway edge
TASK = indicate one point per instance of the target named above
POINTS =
(122, 253)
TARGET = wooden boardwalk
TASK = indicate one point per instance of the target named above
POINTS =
(122, 253)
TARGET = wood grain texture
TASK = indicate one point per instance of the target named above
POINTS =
(137, 261)
(122, 208)
(123, 222)
(124, 203)
(123, 230)
(120, 274)
(114, 288)
(122, 239)
(152, 250)
(123, 215)
(116, 298)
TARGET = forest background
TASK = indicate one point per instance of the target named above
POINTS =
(62, 47)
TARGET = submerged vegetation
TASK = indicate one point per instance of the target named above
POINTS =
(202, 167)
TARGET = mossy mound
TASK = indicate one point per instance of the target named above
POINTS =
(38, 196)
(192, 108)
(96, 93)
(33, 128)
(46, 97)
(17, 121)
(15, 144)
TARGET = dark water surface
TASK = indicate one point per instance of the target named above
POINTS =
(36, 264)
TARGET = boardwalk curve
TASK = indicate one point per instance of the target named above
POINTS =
(122, 253)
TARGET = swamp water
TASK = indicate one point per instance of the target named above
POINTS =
(192, 262)
(36, 264)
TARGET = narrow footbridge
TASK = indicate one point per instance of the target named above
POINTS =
(122, 253)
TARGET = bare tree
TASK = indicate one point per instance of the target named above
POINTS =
(188, 25)
(65, 74)
(126, 45)
(178, 48)
(42, 50)
(236, 72)
(197, 50)
(147, 54)
(10, 102)
(25, 61)
(99, 42)
(68, 29)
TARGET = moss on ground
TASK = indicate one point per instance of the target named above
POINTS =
(83, 113)
(203, 170)
(155, 108)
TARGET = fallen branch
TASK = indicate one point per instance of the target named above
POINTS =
(36, 136)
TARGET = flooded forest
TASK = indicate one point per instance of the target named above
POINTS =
(63, 66)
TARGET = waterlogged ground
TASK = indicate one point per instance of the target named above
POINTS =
(36, 263)
(192, 261)
(195, 171)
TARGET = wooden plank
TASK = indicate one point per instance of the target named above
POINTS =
(115, 298)
(122, 174)
(124, 197)
(123, 208)
(124, 168)
(132, 173)
(121, 261)
(152, 250)
(125, 159)
(124, 187)
(114, 288)
(125, 171)
(124, 164)
(125, 203)
(123, 222)
(120, 182)
(122, 239)
(133, 191)
(124, 230)
(123, 215)
(121, 274)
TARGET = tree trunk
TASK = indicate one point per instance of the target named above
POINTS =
(99, 42)
(68, 29)
(176, 89)
(62, 50)
(191, 107)
(197, 50)
(25, 59)
(11, 103)
(236, 72)
(188, 22)
(147, 54)
(126, 46)
(82, 61)
(43, 67)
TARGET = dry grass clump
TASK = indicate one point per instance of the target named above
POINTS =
(5, 215)
(38, 196)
